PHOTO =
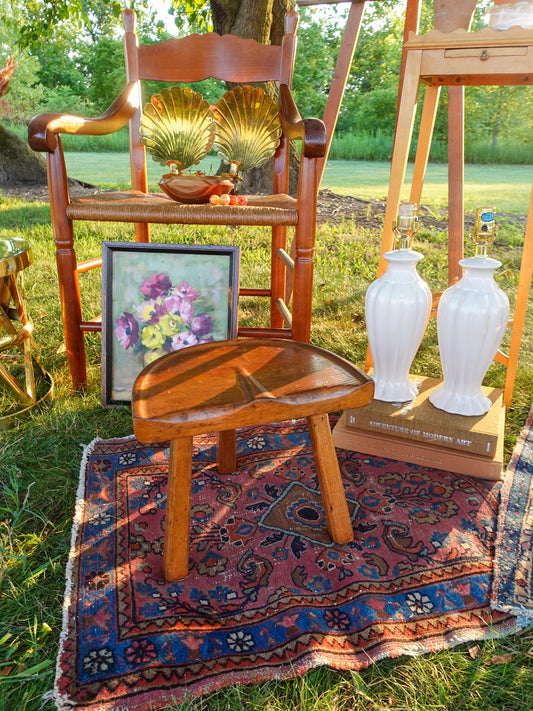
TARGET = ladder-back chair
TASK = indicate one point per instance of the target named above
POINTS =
(194, 58)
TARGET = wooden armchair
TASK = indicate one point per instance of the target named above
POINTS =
(193, 58)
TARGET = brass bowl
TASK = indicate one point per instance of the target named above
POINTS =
(194, 189)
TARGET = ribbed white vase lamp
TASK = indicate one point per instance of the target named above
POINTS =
(471, 320)
(397, 308)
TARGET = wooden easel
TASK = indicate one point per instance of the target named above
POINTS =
(457, 59)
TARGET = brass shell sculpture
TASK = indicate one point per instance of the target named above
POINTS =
(247, 127)
(177, 125)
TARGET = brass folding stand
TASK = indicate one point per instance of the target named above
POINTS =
(16, 333)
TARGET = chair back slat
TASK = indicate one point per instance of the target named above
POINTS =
(199, 57)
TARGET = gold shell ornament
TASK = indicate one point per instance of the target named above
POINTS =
(177, 125)
(247, 127)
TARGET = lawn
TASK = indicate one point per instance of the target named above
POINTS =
(41, 459)
(508, 187)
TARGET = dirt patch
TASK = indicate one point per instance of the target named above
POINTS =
(371, 213)
(367, 213)
(39, 193)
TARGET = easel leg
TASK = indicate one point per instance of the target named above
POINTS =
(524, 284)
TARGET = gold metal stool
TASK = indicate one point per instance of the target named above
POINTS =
(16, 335)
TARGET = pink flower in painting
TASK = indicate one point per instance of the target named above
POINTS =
(156, 285)
(186, 291)
(182, 340)
(182, 307)
(202, 324)
(127, 330)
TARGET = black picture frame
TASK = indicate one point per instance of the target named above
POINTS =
(162, 297)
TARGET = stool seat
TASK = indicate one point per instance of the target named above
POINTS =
(15, 255)
(225, 385)
(229, 384)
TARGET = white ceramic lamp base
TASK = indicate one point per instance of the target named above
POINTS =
(397, 308)
(471, 321)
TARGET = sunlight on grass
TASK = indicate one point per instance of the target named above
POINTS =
(504, 186)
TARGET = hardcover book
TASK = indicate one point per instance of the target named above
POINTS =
(421, 421)
(415, 452)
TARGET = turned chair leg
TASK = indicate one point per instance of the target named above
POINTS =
(178, 510)
(330, 480)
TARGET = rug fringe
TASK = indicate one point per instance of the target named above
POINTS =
(523, 615)
(54, 694)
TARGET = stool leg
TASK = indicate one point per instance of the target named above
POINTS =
(178, 510)
(227, 452)
(329, 477)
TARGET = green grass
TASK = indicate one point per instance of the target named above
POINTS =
(506, 186)
(40, 461)
(360, 146)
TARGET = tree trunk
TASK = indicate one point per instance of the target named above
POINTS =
(19, 165)
(262, 20)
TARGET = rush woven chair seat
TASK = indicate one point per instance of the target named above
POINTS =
(225, 385)
(233, 60)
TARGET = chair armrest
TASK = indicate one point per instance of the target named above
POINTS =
(311, 131)
(43, 128)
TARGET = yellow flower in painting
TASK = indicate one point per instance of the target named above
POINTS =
(152, 337)
(150, 356)
(151, 310)
(170, 324)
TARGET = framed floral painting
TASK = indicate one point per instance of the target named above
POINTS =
(158, 298)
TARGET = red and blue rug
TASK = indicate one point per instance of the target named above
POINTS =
(268, 596)
(513, 565)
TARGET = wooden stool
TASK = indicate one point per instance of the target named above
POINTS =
(221, 386)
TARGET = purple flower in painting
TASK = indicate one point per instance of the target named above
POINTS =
(127, 330)
(156, 285)
(201, 324)
(186, 291)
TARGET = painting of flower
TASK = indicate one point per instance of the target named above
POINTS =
(165, 319)
(158, 299)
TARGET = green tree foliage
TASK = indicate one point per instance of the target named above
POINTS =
(370, 99)
(318, 46)
(71, 59)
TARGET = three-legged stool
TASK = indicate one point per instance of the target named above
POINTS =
(221, 386)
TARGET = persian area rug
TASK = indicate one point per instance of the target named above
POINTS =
(268, 595)
(513, 568)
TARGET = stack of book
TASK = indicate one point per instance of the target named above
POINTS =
(419, 433)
